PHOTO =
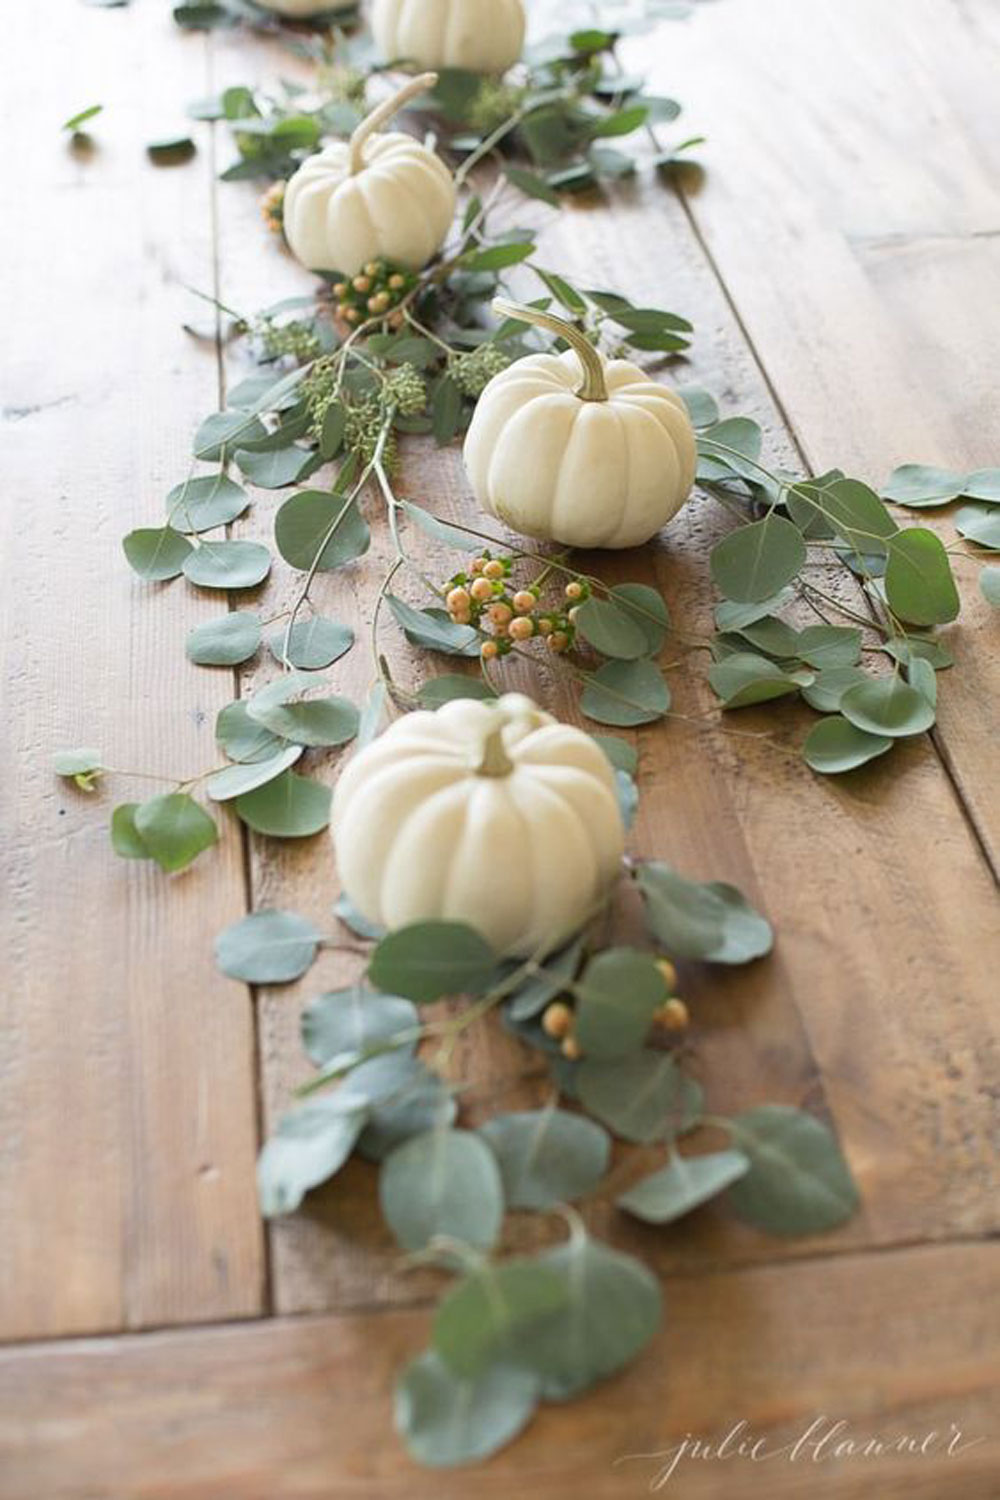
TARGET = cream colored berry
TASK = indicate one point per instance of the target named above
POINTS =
(378, 303)
(574, 590)
(397, 282)
(489, 650)
(668, 973)
(340, 289)
(500, 614)
(362, 284)
(477, 565)
(571, 1049)
(493, 569)
(522, 628)
(481, 590)
(557, 1021)
(524, 601)
(672, 1015)
(545, 626)
(371, 269)
(458, 598)
(558, 641)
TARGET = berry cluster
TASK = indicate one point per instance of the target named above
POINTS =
(272, 206)
(558, 1018)
(294, 339)
(488, 598)
(473, 371)
(375, 292)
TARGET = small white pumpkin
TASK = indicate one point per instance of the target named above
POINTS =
(493, 815)
(578, 449)
(377, 196)
(481, 36)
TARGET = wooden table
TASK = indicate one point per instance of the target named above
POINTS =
(841, 264)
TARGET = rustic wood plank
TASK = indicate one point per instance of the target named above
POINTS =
(853, 211)
(127, 1125)
(895, 1346)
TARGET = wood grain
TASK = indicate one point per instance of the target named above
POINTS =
(127, 1126)
(894, 1346)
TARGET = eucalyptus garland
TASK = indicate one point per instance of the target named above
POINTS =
(339, 380)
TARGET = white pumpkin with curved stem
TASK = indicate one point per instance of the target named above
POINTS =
(493, 815)
(579, 449)
(481, 36)
(379, 196)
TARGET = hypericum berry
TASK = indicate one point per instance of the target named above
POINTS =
(340, 289)
(524, 601)
(574, 614)
(493, 569)
(500, 614)
(372, 268)
(571, 1049)
(481, 590)
(574, 590)
(477, 565)
(362, 284)
(545, 626)
(557, 1020)
(397, 282)
(668, 973)
(458, 599)
(672, 1015)
(351, 315)
(558, 641)
(521, 628)
(489, 650)
(379, 303)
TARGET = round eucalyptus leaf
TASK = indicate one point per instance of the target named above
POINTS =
(798, 1182)
(732, 616)
(613, 1310)
(989, 585)
(224, 642)
(703, 409)
(445, 1420)
(157, 553)
(445, 689)
(711, 921)
(423, 1103)
(236, 781)
(434, 629)
(426, 960)
(203, 503)
(743, 679)
(919, 584)
(224, 431)
(984, 484)
(444, 1182)
(920, 485)
(312, 644)
(905, 648)
(829, 646)
(622, 755)
(343, 1022)
(346, 912)
(318, 523)
(76, 762)
(318, 721)
(772, 637)
(616, 997)
(228, 565)
(858, 516)
(641, 1098)
(125, 838)
(556, 973)
(922, 676)
(610, 629)
(274, 468)
(757, 560)
(648, 608)
(979, 523)
(835, 745)
(830, 686)
(887, 706)
(486, 1318)
(310, 1144)
(175, 829)
(547, 1156)
(686, 1183)
(287, 806)
(626, 693)
(267, 947)
(242, 738)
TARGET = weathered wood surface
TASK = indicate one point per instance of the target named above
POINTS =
(839, 265)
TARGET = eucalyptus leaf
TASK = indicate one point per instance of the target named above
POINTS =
(317, 721)
(309, 1145)
(203, 503)
(684, 1184)
(424, 1101)
(434, 629)
(446, 1420)
(440, 531)
(175, 829)
(267, 947)
(622, 755)
(757, 560)
(830, 686)
(427, 960)
(989, 585)
(743, 679)
(984, 484)
(445, 689)
(825, 646)
(444, 1182)
(275, 468)
(919, 485)
(918, 579)
(626, 693)
(702, 407)
(556, 974)
(484, 1320)
(732, 616)
(340, 1023)
(228, 565)
(224, 642)
(616, 997)
(157, 553)
(221, 433)
(287, 806)
(126, 840)
(798, 1182)
(236, 781)
(887, 706)
(242, 738)
(312, 644)
(645, 1097)
(857, 515)
(76, 762)
(322, 528)
(611, 630)
(711, 921)
(647, 608)
(547, 1156)
(835, 745)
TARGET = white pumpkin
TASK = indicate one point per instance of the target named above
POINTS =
(481, 36)
(298, 9)
(493, 815)
(579, 449)
(375, 197)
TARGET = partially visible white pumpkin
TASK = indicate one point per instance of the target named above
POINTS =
(493, 815)
(481, 36)
(578, 449)
(375, 197)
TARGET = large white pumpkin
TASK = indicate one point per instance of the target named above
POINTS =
(578, 449)
(375, 197)
(493, 815)
(481, 36)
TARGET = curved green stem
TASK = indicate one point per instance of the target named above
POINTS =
(593, 386)
(382, 114)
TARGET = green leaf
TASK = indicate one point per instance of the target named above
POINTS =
(702, 407)
(241, 737)
(622, 122)
(887, 706)
(77, 762)
(613, 1309)
(203, 503)
(798, 1182)
(835, 745)
(236, 781)
(856, 513)
(622, 755)
(615, 1000)
(547, 1156)
(984, 484)
(830, 686)
(125, 838)
(626, 693)
(306, 519)
(174, 829)
(918, 579)
(331, 433)
(743, 679)
(344, 1023)
(427, 960)
(433, 629)
(309, 1145)
(228, 565)
(81, 117)
(224, 642)
(556, 973)
(422, 1101)
(451, 536)
(267, 947)
(438, 690)
(485, 1318)
(685, 1184)
(318, 721)
(286, 807)
(157, 553)
(170, 150)
(712, 922)
(446, 410)
(444, 1182)
(732, 616)
(772, 637)
(611, 629)
(532, 185)
(989, 585)
(446, 1421)
(275, 468)
(826, 646)
(312, 644)
(497, 257)
(223, 431)
(922, 676)
(919, 485)
(757, 560)
(641, 1098)
(560, 288)
(731, 447)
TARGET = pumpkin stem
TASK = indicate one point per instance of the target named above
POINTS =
(383, 113)
(593, 386)
(495, 760)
